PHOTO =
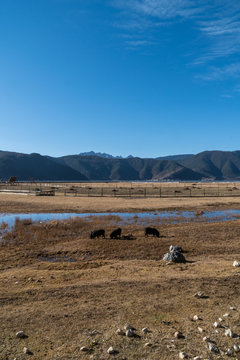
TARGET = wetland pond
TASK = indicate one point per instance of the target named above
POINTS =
(141, 218)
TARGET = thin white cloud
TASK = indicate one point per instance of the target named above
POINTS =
(218, 22)
(161, 9)
(220, 73)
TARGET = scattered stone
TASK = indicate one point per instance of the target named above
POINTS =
(182, 355)
(233, 308)
(147, 344)
(236, 264)
(128, 327)
(129, 333)
(207, 339)
(200, 295)
(229, 352)
(84, 349)
(20, 335)
(226, 315)
(175, 248)
(52, 277)
(145, 330)
(26, 351)
(94, 332)
(174, 255)
(217, 325)
(213, 348)
(197, 357)
(220, 319)
(178, 335)
(228, 332)
(201, 330)
(30, 279)
(195, 318)
(16, 283)
(236, 348)
(111, 350)
(120, 332)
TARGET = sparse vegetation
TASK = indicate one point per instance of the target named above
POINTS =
(63, 305)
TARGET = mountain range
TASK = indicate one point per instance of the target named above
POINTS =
(207, 165)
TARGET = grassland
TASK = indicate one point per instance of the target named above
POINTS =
(103, 284)
(58, 286)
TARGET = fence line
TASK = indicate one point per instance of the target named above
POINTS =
(129, 192)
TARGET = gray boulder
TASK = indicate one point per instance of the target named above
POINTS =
(175, 248)
(175, 255)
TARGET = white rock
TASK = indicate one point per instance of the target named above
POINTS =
(147, 344)
(229, 352)
(213, 348)
(197, 357)
(16, 282)
(178, 335)
(129, 333)
(84, 349)
(220, 319)
(182, 355)
(232, 308)
(226, 315)
(236, 264)
(228, 332)
(26, 350)
(201, 330)
(195, 318)
(20, 334)
(128, 327)
(199, 295)
(207, 339)
(94, 332)
(120, 332)
(111, 350)
(236, 348)
(145, 330)
(217, 324)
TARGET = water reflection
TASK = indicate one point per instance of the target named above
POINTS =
(123, 218)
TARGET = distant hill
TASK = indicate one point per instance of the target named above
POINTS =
(219, 165)
(25, 166)
(211, 165)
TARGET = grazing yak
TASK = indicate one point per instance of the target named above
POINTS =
(97, 233)
(151, 231)
(116, 234)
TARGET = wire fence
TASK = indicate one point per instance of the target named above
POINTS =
(164, 191)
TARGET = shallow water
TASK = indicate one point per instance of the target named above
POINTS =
(146, 217)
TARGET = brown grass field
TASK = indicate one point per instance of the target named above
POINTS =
(103, 284)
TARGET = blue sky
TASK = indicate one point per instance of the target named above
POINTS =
(141, 77)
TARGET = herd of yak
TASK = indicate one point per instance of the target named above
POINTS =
(116, 234)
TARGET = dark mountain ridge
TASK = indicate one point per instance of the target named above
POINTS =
(208, 165)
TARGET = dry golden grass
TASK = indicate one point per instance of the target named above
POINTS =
(26, 204)
(114, 282)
